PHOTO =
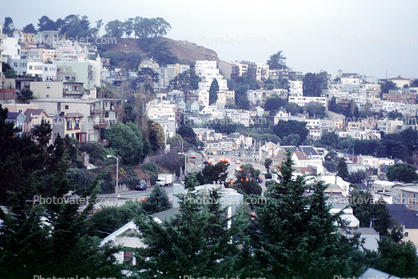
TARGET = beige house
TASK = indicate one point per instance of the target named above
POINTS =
(34, 117)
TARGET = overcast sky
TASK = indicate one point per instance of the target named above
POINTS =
(365, 36)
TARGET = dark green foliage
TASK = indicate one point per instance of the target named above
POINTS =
(398, 259)
(226, 126)
(26, 94)
(95, 151)
(195, 242)
(131, 179)
(212, 173)
(294, 234)
(29, 29)
(402, 172)
(8, 27)
(161, 52)
(331, 161)
(267, 163)
(357, 176)
(45, 23)
(277, 61)
(213, 91)
(80, 178)
(158, 201)
(330, 139)
(365, 208)
(342, 168)
(152, 167)
(108, 219)
(185, 82)
(293, 108)
(333, 106)
(388, 85)
(246, 181)
(274, 104)
(125, 141)
(315, 110)
(172, 161)
(187, 134)
(49, 238)
(313, 84)
(285, 128)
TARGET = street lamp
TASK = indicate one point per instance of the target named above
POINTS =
(117, 176)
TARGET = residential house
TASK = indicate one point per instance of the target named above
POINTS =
(82, 119)
(35, 117)
(18, 118)
(408, 219)
(208, 71)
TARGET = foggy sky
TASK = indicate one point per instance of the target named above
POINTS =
(364, 36)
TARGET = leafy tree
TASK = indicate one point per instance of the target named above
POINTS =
(402, 172)
(371, 212)
(243, 102)
(158, 201)
(267, 163)
(333, 106)
(414, 83)
(161, 52)
(330, 139)
(172, 161)
(187, 134)
(29, 29)
(128, 27)
(212, 173)
(274, 104)
(26, 94)
(45, 23)
(315, 110)
(247, 178)
(293, 108)
(125, 142)
(147, 75)
(185, 82)
(114, 29)
(388, 85)
(395, 115)
(292, 139)
(8, 27)
(134, 59)
(342, 168)
(156, 135)
(213, 91)
(276, 61)
(313, 84)
(285, 128)
(108, 219)
(397, 258)
(294, 234)
(357, 176)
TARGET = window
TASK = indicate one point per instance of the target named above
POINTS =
(66, 106)
(77, 124)
(69, 125)
(406, 234)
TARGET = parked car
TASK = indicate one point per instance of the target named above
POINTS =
(141, 186)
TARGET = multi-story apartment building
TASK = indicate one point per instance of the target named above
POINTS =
(208, 71)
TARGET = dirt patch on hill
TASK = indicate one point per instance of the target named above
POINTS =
(182, 49)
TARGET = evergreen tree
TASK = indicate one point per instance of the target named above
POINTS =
(196, 242)
(294, 234)
(158, 201)
(342, 168)
(213, 91)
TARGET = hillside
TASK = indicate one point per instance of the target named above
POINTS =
(182, 49)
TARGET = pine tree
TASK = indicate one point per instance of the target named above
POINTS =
(213, 91)
(294, 234)
(158, 201)
(195, 242)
